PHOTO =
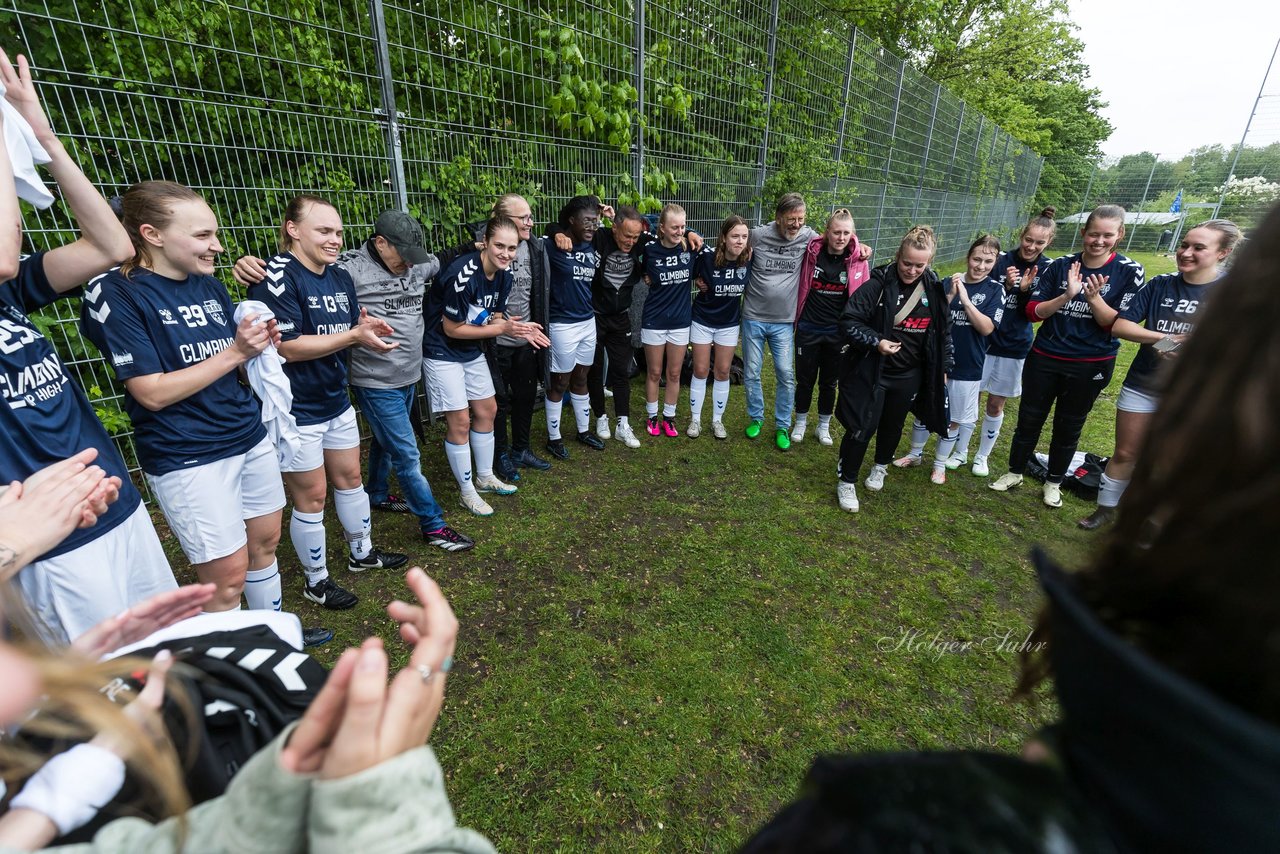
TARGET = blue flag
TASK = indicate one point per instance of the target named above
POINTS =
(1177, 203)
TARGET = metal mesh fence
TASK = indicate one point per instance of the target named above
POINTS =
(438, 107)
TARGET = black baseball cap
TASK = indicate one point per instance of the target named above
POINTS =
(403, 232)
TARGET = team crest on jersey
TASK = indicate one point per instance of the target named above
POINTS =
(1105, 289)
(1167, 302)
(343, 303)
(978, 299)
(313, 301)
(166, 317)
(844, 277)
(213, 309)
(684, 257)
(742, 272)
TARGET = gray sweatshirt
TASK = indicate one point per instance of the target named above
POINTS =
(775, 274)
(398, 301)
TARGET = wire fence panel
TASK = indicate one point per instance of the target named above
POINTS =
(440, 106)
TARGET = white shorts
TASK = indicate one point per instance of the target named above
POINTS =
(1002, 376)
(1132, 400)
(73, 592)
(721, 336)
(572, 344)
(336, 434)
(964, 400)
(451, 385)
(206, 506)
(658, 337)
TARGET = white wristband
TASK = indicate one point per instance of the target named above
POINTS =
(73, 786)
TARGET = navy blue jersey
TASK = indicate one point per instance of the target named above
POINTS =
(45, 417)
(309, 304)
(670, 275)
(571, 275)
(149, 324)
(1169, 305)
(1071, 332)
(463, 294)
(721, 304)
(971, 348)
(1013, 335)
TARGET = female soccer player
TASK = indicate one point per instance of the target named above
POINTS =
(898, 358)
(467, 303)
(314, 301)
(1078, 299)
(1019, 269)
(664, 328)
(721, 278)
(1160, 317)
(832, 269)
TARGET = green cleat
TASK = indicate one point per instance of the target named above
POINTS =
(753, 429)
(782, 440)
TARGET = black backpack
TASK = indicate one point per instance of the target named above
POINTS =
(1086, 480)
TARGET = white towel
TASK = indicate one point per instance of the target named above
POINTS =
(266, 377)
(25, 151)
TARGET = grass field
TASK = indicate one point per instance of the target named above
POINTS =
(655, 643)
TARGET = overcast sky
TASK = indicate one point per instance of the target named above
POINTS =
(1181, 73)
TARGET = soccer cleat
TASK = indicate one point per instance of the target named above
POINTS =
(624, 434)
(448, 539)
(476, 504)
(1052, 494)
(909, 461)
(494, 485)
(782, 440)
(797, 432)
(753, 429)
(824, 435)
(505, 469)
(955, 462)
(938, 475)
(556, 448)
(875, 478)
(315, 637)
(980, 467)
(847, 495)
(526, 459)
(1006, 482)
(329, 595)
(392, 504)
(653, 425)
(694, 430)
(717, 430)
(602, 426)
(669, 427)
(1098, 518)
(376, 559)
(591, 441)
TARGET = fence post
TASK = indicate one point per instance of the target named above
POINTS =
(768, 108)
(928, 144)
(1155, 162)
(388, 113)
(1004, 158)
(1075, 232)
(888, 158)
(844, 112)
(638, 159)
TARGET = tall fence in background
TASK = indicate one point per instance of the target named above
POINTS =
(439, 106)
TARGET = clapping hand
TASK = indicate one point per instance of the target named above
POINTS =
(371, 330)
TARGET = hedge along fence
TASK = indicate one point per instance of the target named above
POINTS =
(437, 107)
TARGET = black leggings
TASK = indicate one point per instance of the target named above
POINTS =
(613, 336)
(817, 360)
(892, 402)
(515, 382)
(1070, 389)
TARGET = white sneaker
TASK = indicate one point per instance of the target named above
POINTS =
(1006, 482)
(694, 430)
(847, 495)
(492, 484)
(980, 467)
(797, 432)
(938, 476)
(956, 461)
(875, 478)
(824, 435)
(602, 426)
(624, 435)
(1053, 495)
(909, 461)
(717, 430)
(476, 504)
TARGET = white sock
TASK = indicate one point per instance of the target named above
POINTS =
(651, 408)
(353, 512)
(624, 420)
(581, 411)
(307, 532)
(719, 399)
(1111, 490)
(990, 432)
(942, 453)
(668, 410)
(697, 394)
(963, 436)
(919, 435)
(459, 457)
(482, 448)
(553, 408)
(824, 422)
(802, 421)
(262, 588)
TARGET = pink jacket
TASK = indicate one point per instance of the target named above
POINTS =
(858, 270)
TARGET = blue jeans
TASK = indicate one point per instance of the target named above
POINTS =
(781, 339)
(395, 446)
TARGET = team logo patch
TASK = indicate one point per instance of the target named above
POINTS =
(120, 359)
(343, 302)
(742, 272)
(844, 278)
(313, 302)
(1105, 289)
(213, 309)
(1167, 302)
(166, 317)
(684, 257)
(978, 299)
